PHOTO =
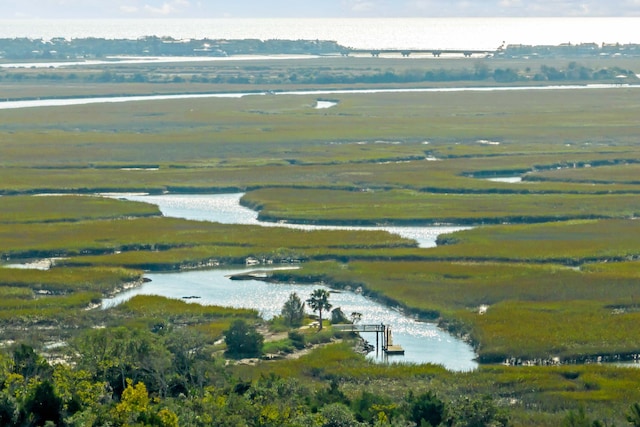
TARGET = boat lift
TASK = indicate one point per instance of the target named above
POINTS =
(383, 335)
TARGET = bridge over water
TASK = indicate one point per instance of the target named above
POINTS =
(382, 331)
(408, 52)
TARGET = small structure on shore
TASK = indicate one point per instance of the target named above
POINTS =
(390, 347)
(383, 336)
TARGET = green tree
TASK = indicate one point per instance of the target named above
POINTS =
(319, 301)
(297, 339)
(370, 407)
(477, 412)
(8, 409)
(115, 354)
(191, 362)
(633, 416)
(293, 311)
(29, 364)
(242, 340)
(330, 395)
(133, 406)
(338, 415)
(338, 316)
(42, 405)
(578, 419)
(425, 409)
(81, 396)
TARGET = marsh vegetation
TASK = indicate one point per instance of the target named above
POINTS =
(553, 259)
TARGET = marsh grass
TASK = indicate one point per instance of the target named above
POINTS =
(565, 242)
(214, 329)
(209, 144)
(533, 311)
(445, 285)
(405, 206)
(375, 146)
(156, 306)
(45, 308)
(29, 209)
(9, 292)
(571, 330)
(166, 233)
(62, 280)
(153, 312)
(618, 174)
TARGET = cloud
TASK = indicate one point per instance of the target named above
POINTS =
(357, 7)
(128, 9)
(325, 8)
(510, 3)
(167, 8)
(363, 6)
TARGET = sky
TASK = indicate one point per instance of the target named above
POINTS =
(212, 9)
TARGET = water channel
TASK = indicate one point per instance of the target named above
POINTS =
(423, 342)
(61, 102)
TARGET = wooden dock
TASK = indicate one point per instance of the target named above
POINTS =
(383, 335)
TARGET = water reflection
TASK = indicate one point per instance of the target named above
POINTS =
(59, 102)
(226, 209)
(423, 342)
(507, 179)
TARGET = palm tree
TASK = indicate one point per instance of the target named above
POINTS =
(319, 301)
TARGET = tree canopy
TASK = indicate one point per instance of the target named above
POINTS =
(293, 311)
(242, 340)
(319, 301)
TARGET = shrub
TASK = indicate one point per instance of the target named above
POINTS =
(242, 340)
(293, 310)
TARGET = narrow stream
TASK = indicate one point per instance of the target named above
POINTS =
(423, 342)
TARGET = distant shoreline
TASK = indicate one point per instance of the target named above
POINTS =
(99, 50)
(358, 33)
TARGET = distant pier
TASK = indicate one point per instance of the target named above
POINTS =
(383, 336)
(405, 53)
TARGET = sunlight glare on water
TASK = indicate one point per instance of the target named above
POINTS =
(423, 342)
(379, 33)
(226, 209)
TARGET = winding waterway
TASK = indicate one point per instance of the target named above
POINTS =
(226, 209)
(61, 102)
(423, 342)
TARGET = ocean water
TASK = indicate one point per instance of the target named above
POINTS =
(393, 33)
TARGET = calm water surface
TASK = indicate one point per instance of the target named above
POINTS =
(379, 33)
(423, 342)
(507, 179)
(61, 102)
(226, 209)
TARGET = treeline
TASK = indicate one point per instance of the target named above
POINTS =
(35, 393)
(63, 49)
(166, 378)
(481, 72)
(572, 50)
